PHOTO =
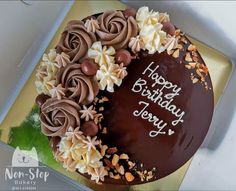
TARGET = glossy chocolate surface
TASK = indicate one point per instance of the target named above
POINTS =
(131, 134)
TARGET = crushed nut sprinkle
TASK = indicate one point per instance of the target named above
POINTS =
(121, 170)
(115, 159)
(124, 156)
(104, 130)
(108, 163)
(188, 57)
(129, 177)
(117, 177)
(131, 164)
(184, 40)
(176, 53)
(170, 52)
(112, 150)
(192, 48)
(103, 150)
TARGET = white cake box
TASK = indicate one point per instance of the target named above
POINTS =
(212, 23)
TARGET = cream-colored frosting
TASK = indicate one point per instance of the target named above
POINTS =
(164, 17)
(150, 26)
(78, 86)
(121, 71)
(136, 44)
(109, 76)
(62, 59)
(91, 25)
(76, 40)
(153, 37)
(102, 55)
(98, 174)
(58, 115)
(57, 92)
(171, 43)
(82, 155)
(88, 113)
(74, 134)
(115, 30)
(46, 73)
(146, 17)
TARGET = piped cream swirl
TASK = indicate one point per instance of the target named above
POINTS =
(115, 30)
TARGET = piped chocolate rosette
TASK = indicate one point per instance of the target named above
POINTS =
(92, 57)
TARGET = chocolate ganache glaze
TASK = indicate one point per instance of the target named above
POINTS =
(174, 145)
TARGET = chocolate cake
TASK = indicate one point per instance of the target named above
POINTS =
(125, 97)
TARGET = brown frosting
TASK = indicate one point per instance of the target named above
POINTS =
(115, 30)
(78, 86)
(58, 115)
(76, 40)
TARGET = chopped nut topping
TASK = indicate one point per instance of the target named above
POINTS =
(108, 163)
(131, 164)
(176, 54)
(121, 170)
(124, 156)
(129, 177)
(195, 80)
(104, 131)
(112, 150)
(117, 177)
(195, 58)
(115, 159)
(96, 99)
(183, 40)
(111, 175)
(98, 118)
(192, 48)
(180, 46)
(105, 99)
(103, 151)
(101, 109)
(188, 67)
(169, 52)
(192, 64)
(150, 175)
(188, 57)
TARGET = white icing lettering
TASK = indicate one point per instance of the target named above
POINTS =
(162, 93)
(159, 124)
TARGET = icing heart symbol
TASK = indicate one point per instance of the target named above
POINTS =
(170, 132)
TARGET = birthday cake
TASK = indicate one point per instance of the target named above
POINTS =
(124, 97)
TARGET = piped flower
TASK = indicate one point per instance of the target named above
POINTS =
(87, 113)
(136, 44)
(74, 134)
(98, 174)
(110, 76)
(91, 25)
(153, 37)
(62, 59)
(90, 143)
(46, 73)
(164, 17)
(102, 55)
(57, 92)
(146, 17)
(171, 43)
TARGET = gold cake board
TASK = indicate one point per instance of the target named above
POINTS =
(219, 67)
